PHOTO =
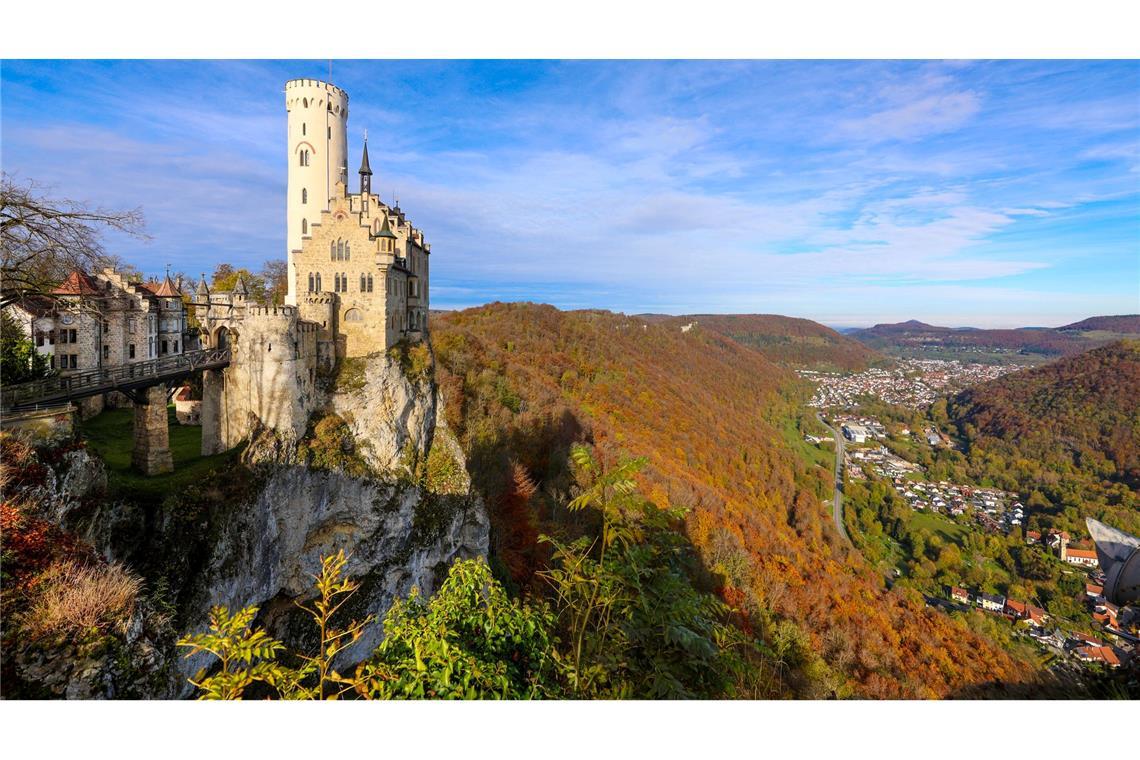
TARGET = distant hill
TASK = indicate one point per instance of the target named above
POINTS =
(717, 422)
(788, 341)
(1069, 429)
(1123, 323)
(1024, 345)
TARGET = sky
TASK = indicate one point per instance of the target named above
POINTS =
(982, 193)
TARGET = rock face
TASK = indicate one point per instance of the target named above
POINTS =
(396, 537)
(386, 411)
(398, 530)
(400, 527)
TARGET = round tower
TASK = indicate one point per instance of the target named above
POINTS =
(318, 151)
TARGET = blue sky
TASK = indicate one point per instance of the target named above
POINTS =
(983, 193)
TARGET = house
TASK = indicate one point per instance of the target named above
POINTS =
(960, 595)
(1035, 616)
(187, 409)
(1094, 591)
(991, 602)
(1099, 654)
(1032, 537)
(1016, 609)
(1082, 557)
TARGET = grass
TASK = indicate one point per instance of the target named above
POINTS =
(73, 598)
(937, 525)
(793, 429)
(111, 436)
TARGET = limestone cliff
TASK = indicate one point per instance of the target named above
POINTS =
(393, 493)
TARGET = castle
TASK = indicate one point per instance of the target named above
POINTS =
(357, 275)
(357, 279)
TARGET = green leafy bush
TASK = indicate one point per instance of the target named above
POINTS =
(469, 641)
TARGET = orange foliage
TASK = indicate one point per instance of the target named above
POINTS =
(523, 381)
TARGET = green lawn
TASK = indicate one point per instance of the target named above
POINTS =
(110, 436)
(943, 527)
(793, 429)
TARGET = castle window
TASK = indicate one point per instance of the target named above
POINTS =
(311, 283)
(131, 351)
(353, 315)
(363, 284)
(304, 226)
(304, 195)
(302, 129)
(347, 252)
(332, 251)
(369, 283)
(318, 282)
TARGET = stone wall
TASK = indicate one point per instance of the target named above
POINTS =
(271, 381)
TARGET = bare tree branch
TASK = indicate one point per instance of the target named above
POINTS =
(43, 239)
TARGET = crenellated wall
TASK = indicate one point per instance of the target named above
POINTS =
(271, 381)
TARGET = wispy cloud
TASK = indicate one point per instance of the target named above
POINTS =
(914, 189)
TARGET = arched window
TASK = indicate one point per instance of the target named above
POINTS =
(347, 252)
(319, 282)
(311, 282)
(353, 315)
(340, 250)
(304, 226)
(304, 157)
(336, 282)
(332, 251)
(302, 129)
(304, 195)
(344, 281)
(369, 283)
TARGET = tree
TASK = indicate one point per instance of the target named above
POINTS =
(44, 239)
(469, 641)
(247, 656)
(275, 274)
(19, 359)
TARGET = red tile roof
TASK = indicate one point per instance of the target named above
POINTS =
(1083, 553)
(1102, 653)
(167, 289)
(78, 284)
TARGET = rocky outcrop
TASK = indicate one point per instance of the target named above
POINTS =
(389, 488)
(396, 536)
(387, 411)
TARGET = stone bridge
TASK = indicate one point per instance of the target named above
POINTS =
(145, 383)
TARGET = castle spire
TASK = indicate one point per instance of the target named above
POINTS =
(365, 177)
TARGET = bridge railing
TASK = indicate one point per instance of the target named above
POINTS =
(103, 379)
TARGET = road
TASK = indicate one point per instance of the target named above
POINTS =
(837, 507)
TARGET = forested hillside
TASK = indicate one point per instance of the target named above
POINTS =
(1122, 323)
(717, 422)
(920, 340)
(1067, 432)
(790, 341)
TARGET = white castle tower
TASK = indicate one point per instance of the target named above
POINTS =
(318, 158)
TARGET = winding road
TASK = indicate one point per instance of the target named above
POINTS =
(837, 507)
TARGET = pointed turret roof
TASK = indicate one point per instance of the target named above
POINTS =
(203, 288)
(78, 284)
(168, 289)
(385, 230)
(364, 167)
(239, 286)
